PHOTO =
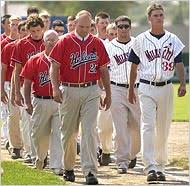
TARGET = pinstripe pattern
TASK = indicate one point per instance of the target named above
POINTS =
(157, 55)
(119, 67)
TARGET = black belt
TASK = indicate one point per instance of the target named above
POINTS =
(159, 84)
(43, 97)
(124, 85)
(87, 84)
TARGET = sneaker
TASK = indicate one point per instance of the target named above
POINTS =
(105, 159)
(161, 176)
(29, 159)
(39, 164)
(122, 168)
(69, 175)
(132, 164)
(152, 176)
(91, 179)
(15, 154)
(58, 171)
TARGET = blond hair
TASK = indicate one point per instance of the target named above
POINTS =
(154, 6)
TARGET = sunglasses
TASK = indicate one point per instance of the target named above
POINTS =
(123, 26)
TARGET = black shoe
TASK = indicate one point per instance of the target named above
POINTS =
(78, 148)
(15, 154)
(152, 176)
(91, 179)
(105, 159)
(69, 175)
(161, 176)
(45, 162)
(132, 164)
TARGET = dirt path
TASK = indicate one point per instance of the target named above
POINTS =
(107, 175)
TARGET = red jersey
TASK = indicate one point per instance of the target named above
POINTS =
(79, 60)
(6, 58)
(26, 48)
(36, 69)
(3, 36)
(6, 41)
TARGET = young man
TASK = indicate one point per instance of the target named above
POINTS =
(45, 116)
(111, 31)
(58, 26)
(157, 52)
(80, 59)
(5, 25)
(71, 23)
(46, 20)
(126, 117)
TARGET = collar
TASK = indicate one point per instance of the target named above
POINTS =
(81, 38)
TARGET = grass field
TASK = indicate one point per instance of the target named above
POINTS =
(181, 105)
(15, 173)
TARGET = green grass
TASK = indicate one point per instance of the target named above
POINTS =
(181, 105)
(180, 162)
(15, 173)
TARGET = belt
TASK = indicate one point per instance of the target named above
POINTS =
(124, 85)
(87, 84)
(159, 84)
(43, 97)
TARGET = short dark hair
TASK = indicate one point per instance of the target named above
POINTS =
(103, 15)
(71, 18)
(3, 19)
(32, 10)
(57, 23)
(21, 24)
(33, 21)
(122, 18)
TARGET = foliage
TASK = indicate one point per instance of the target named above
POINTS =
(15, 173)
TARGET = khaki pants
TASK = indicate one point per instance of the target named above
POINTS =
(13, 122)
(126, 118)
(80, 105)
(45, 115)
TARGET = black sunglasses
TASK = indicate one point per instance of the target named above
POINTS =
(123, 26)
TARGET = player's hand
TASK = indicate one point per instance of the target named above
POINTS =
(19, 100)
(58, 96)
(4, 97)
(29, 108)
(131, 96)
(105, 102)
(181, 90)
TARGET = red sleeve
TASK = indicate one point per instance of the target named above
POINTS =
(57, 52)
(28, 70)
(17, 54)
(103, 55)
(3, 44)
(5, 55)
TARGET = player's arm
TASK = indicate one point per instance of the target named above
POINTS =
(180, 70)
(27, 95)
(133, 75)
(4, 96)
(54, 76)
(18, 96)
(105, 79)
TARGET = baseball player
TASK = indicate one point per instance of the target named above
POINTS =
(24, 49)
(45, 116)
(157, 52)
(111, 31)
(80, 59)
(104, 122)
(58, 26)
(5, 25)
(12, 118)
(71, 24)
(126, 117)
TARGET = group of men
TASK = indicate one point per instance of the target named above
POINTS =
(98, 78)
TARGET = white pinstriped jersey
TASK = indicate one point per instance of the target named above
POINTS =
(119, 65)
(157, 55)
